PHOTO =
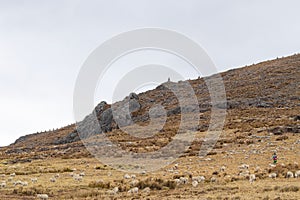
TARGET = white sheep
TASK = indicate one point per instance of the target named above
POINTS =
(53, 180)
(134, 182)
(77, 178)
(297, 174)
(126, 176)
(177, 181)
(82, 174)
(184, 180)
(3, 184)
(134, 190)
(18, 183)
(252, 178)
(133, 176)
(213, 179)
(42, 196)
(195, 183)
(199, 179)
(25, 183)
(34, 180)
(273, 175)
(223, 168)
(243, 166)
(56, 176)
(289, 174)
(116, 190)
(13, 174)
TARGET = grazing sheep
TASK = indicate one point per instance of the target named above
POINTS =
(82, 174)
(289, 175)
(257, 169)
(143, 172)
(56, 176)
(24, 183)
(222, 169)
(53, 180)
(18, 183)
(77, 178)
(146, 190)
(273, 175)
(126, 176)
(34, 180)
(134, 182)
(199, 179)
(252, 178)
(116, 189)
(243, 166)
(134, 190)
(13, 174)
(175, 167)
(184, 180)
(42, 196)
(195, 183)
(3, 185)
(177, 181)
(213, 179)
(297, 174)
(133, 176)
(113, 191)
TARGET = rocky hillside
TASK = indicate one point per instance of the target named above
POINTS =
(264, 97)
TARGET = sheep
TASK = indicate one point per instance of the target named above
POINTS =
(297, 174)
(273, 175)
(77, 178)
(289, 174)
(53, 180)
(133, 176)
(25, 183)
(13, 174)
(134, 190)
(199, 179)
(243, 166)
(116, 189)
(126, 176)
(257, 169)
(177, 181)
(3, 185)
(183, 180)
(56, 176)
(213, 179)
(134, 182)
(42, 196)
(252, 178)
(195, 183)
(34, 180)
(146, 190)
(18, 183)
(82, 174)
(222, 169)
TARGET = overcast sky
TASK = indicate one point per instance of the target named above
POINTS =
(44, 43)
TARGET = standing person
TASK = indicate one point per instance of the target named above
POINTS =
(274, 158)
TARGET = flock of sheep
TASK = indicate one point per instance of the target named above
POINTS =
(195, 180)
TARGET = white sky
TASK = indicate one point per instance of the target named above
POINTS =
(44, 43)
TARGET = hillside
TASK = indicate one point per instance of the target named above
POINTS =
(271, 85)
(263, 116)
